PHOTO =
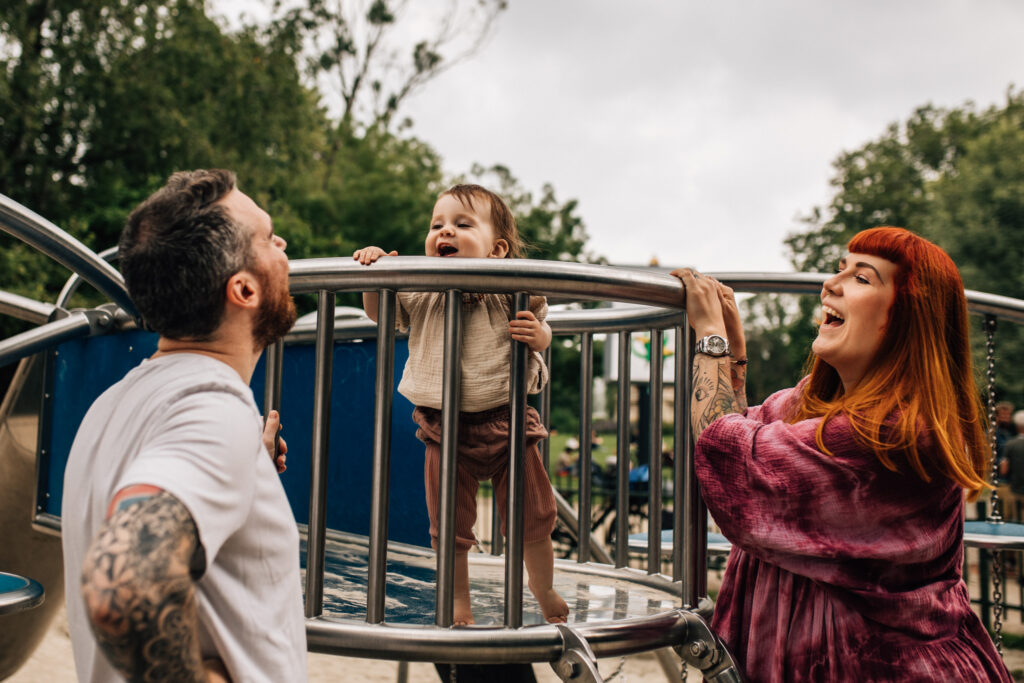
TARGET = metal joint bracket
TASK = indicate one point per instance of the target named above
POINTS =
(58, 313)
(100, 318)
(577, 662)
(703, 650)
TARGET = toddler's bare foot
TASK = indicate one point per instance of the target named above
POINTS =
(462, 612)
(553, 607)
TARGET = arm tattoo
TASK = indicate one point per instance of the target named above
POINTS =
(713, 395)
(738, 378)
(137, 582)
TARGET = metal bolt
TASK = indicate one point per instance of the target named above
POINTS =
(699, 648)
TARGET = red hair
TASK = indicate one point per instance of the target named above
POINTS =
(921, 377)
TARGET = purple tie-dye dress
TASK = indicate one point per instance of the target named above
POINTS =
(841, 570)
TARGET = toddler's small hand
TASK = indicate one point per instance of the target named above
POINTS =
(526, 328)
(368, 255)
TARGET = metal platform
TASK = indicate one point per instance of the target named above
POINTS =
(594, 592)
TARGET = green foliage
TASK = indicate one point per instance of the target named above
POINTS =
(953, 176)
(104, 99)
(101, 100)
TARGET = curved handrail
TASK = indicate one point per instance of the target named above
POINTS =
(75, 281)
(23, 308)
(40, 233)
(576, 281)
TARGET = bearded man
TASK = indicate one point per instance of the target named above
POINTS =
(181, 551)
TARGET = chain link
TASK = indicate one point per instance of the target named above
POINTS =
(683, 672)
(618, 671)
(989, 325)
(995, 505)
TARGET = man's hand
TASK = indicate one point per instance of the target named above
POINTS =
(526, 328)
(271, 431)
(368, 255)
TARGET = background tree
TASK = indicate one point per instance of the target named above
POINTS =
(951, 175)
(100, 101)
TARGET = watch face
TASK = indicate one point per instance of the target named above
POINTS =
(716, 345)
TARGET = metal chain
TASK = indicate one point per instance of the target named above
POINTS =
(989, 326)
(452, 676)
(683, 672)
(995, 505)
(618, 670)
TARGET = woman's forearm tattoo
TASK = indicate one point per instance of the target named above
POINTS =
(738, 377)
(713, 394)
(139, 591)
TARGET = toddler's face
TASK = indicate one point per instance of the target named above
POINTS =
(460, 231)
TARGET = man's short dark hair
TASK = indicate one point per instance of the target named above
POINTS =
(178, 250)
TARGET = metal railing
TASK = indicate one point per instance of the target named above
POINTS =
(556, 280)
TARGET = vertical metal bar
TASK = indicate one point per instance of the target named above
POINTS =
(274, 358)
(654, 429)
(586, 479)
(516, 479)
(497, 542)
(622, 457)
(545, 413)
(449, 456)
(695, 527)
(379, 494)
(272, 383)
(316, 533)
(681, 436)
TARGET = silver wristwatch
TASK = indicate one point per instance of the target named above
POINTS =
(712, 345)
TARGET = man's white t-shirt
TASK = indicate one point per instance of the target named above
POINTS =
(187, 424)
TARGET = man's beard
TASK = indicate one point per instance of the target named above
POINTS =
(277, 312)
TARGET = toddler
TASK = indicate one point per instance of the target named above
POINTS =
(470, 221)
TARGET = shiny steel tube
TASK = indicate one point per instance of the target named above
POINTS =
(622, 457)
(654, 467)
(26, 309)
(274, 359)
(75, 281)
(379, 494)
(497, 541)
(516, 477)
(450, 406)
(694, 537)
(681, 436)
(46, 237)
(316, 539)
(272, 378)
(491, 645)
(46, 336)
(586, 457)
(545, 411)
(577, 281)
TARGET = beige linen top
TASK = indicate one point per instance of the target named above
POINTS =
(486, 349)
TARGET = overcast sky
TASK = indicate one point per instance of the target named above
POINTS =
(698, 133)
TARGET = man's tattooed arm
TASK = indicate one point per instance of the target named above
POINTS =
(713, 394)
(137, 582)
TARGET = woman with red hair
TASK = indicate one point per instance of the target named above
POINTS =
(844, 496)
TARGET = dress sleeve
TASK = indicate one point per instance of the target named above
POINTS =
(842, 518)
(205, 455)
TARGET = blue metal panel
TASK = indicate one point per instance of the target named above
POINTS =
(80, 370)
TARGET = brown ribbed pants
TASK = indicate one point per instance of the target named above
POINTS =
(483, 455)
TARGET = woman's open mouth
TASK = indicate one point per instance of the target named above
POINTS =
(832, 316)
